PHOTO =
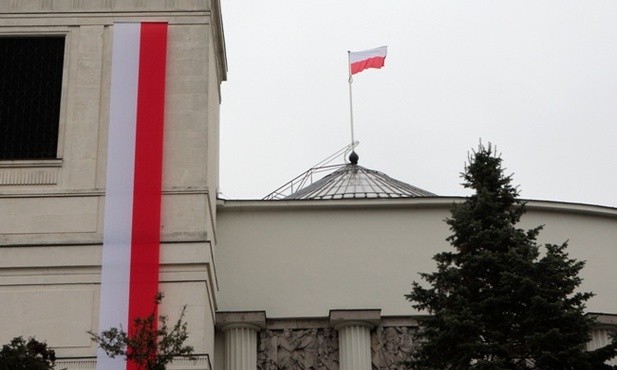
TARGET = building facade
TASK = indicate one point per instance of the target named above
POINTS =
(314, 269)
(315, 281)
(52, 199)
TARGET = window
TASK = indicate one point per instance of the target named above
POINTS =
(30, 91)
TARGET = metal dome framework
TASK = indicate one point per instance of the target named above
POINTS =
(346, 181)
(352, 181)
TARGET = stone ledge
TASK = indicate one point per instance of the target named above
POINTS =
(251, 319)
(343, 318)
(47, 6)
(603, 320)
(202, 362)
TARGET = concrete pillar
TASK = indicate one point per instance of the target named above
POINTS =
(240, 330)
(355, 347)
(354, 333)
(240, 348)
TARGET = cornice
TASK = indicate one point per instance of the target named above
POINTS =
(401, 203)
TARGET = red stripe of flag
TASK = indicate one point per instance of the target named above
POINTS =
(371, 58)
(375, 62)
(144, 275)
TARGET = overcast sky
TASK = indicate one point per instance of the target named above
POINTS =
(537, 78)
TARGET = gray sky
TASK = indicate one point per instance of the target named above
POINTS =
(537, 78)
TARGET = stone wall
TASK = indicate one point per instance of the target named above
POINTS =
(317, 348)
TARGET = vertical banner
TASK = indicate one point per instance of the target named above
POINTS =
(131, 236)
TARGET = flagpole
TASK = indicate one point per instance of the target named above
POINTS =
(350, 98)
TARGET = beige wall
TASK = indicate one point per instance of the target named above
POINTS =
(51, 211)
(52, 293)
(591, 233)
(304, 258)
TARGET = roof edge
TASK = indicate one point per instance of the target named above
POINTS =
(243, 205)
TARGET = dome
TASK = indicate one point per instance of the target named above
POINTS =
(352, 181)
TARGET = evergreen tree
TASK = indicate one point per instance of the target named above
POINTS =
(496, 302)
(20, 354)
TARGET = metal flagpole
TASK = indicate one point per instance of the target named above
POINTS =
(350, 98)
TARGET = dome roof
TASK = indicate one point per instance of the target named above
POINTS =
(352, 181)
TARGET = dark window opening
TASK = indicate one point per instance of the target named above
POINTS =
(30, 89)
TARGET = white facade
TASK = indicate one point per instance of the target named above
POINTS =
(312, 284)
(51, 210)
(300, 262)
(364, 254)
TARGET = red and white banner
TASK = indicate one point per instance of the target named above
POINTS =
(131, 236)
(372, 58)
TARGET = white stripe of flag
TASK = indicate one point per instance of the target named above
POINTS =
(120, 233)
(371, 58)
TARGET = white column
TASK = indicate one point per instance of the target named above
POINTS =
(354, 333)
(240, 347)
(354, 346)
(240, 330)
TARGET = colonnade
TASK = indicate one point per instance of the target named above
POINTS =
(354, 335)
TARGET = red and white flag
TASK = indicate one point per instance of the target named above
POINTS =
(132, 221)
(372, 58)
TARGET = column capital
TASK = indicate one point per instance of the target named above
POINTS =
(342, 318)
(255, 320)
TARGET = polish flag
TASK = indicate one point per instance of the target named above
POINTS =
(372, 58)
(131, 236)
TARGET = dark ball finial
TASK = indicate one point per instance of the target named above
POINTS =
(353, 157)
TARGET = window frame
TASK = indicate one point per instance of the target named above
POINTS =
(19, 173)
(62, 117)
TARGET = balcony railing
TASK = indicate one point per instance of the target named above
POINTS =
(201, 362)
